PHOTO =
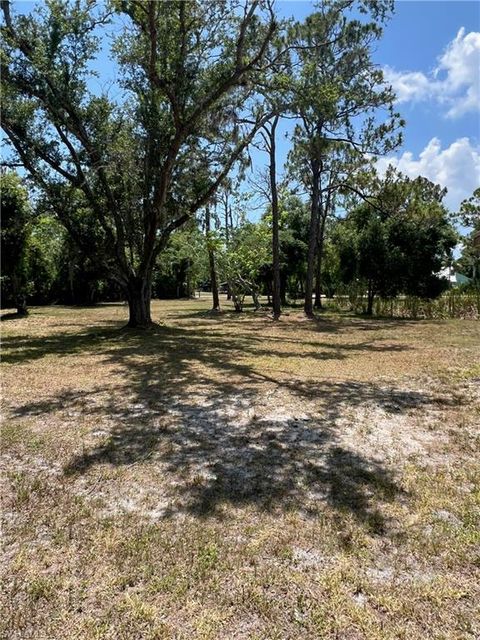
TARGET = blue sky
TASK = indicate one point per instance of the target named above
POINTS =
(430, 51)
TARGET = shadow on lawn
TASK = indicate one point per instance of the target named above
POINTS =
(187, 404)
(326, 322)
(14, 315)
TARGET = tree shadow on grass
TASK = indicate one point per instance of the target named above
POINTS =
(24, 348)
(185, 404)
(14, 315)
(202, 338)
(215, 455)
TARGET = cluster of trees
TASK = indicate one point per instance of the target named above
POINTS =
(396, 243)
(469, 216)
(129, 183)
(40, 262)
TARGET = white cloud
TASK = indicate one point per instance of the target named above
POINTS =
(455, 82)
(456, 167)
(409, 86)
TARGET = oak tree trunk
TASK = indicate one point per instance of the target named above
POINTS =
(22, 306)
(19, 297)
(139, 296)
(211, 262)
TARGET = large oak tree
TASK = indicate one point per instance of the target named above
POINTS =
(125, 166)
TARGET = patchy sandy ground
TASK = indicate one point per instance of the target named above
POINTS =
(228, 477)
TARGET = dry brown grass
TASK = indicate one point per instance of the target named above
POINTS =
(227, 477)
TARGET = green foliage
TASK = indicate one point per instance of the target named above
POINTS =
(241, 261)
(16, 214)
(469, 214)
(135, 167)
(294, 216)
(469, 262)
(45, 252)
(337, 88)
(330, 267)
(399, 244)
(248, 251)
(183, 266)
(455, 303)
(337, 94)
(124, 172)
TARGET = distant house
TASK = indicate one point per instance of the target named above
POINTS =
(454, 278)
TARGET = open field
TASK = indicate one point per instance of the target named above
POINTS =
(225, 477)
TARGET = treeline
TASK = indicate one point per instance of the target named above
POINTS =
(394, 247)
(127, 177)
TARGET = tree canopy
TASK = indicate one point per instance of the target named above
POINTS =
(141, 165)
(400, 244)
(15, 218)
(132, 172)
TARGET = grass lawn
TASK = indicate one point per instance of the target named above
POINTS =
(225, 477)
